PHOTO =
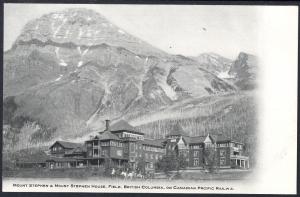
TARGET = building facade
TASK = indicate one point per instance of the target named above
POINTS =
(227, 152)
(124, 147)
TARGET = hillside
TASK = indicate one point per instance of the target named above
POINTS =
(70, 70)
(214, 63)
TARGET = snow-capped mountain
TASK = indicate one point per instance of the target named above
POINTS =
(215, 63)
(69, 70)
(83, 28)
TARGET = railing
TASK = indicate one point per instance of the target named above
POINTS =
(238, 157)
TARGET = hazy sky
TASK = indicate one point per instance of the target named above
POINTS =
(177, 29)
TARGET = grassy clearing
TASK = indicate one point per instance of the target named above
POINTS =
(98, 173)
(74, 173)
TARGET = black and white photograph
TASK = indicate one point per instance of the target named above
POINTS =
(149, 98)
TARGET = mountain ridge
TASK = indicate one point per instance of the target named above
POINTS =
(67, 86)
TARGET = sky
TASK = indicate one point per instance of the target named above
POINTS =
(177, 29)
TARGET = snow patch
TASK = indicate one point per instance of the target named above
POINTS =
(59, 78)
(85, 51)
(79, 63)
(162, 82)
(79, 50)
(152, 95)
(121, 32)
(89, 18)
(137, 57)
(225, 75)
(106, 93)
(146, 60)
(63, 63)
(59, 27)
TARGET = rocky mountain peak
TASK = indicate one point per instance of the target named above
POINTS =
(81, 27)
(71, 69)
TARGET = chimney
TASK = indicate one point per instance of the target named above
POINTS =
(107, 125)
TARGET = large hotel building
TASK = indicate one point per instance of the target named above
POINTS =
(122, 145)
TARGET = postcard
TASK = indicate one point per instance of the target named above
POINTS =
(150, 98)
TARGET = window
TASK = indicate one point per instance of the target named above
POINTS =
(126, 148)
(223, 145)
(156, 156)
(222, 161)
(104, 143)
(95, 151)
(132, 148)
(120, 153)
(95, 143)
(196, 153)
(151, 156)
(104, 152)
(132, 158)
(151, 165)
(146, 155)
(196, 162)
(222, 153)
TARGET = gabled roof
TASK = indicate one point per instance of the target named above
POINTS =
(157, 143)
(197, 139)
(220, 138)
(122, 125)
(69, 145)
(209, 139)
(177, 130)
(107, 135)
(76, 150)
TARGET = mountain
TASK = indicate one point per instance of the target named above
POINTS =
(240, 72)
(215, 63)
(244, 70)
(69, 70)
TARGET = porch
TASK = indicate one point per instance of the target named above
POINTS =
(240, 161)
